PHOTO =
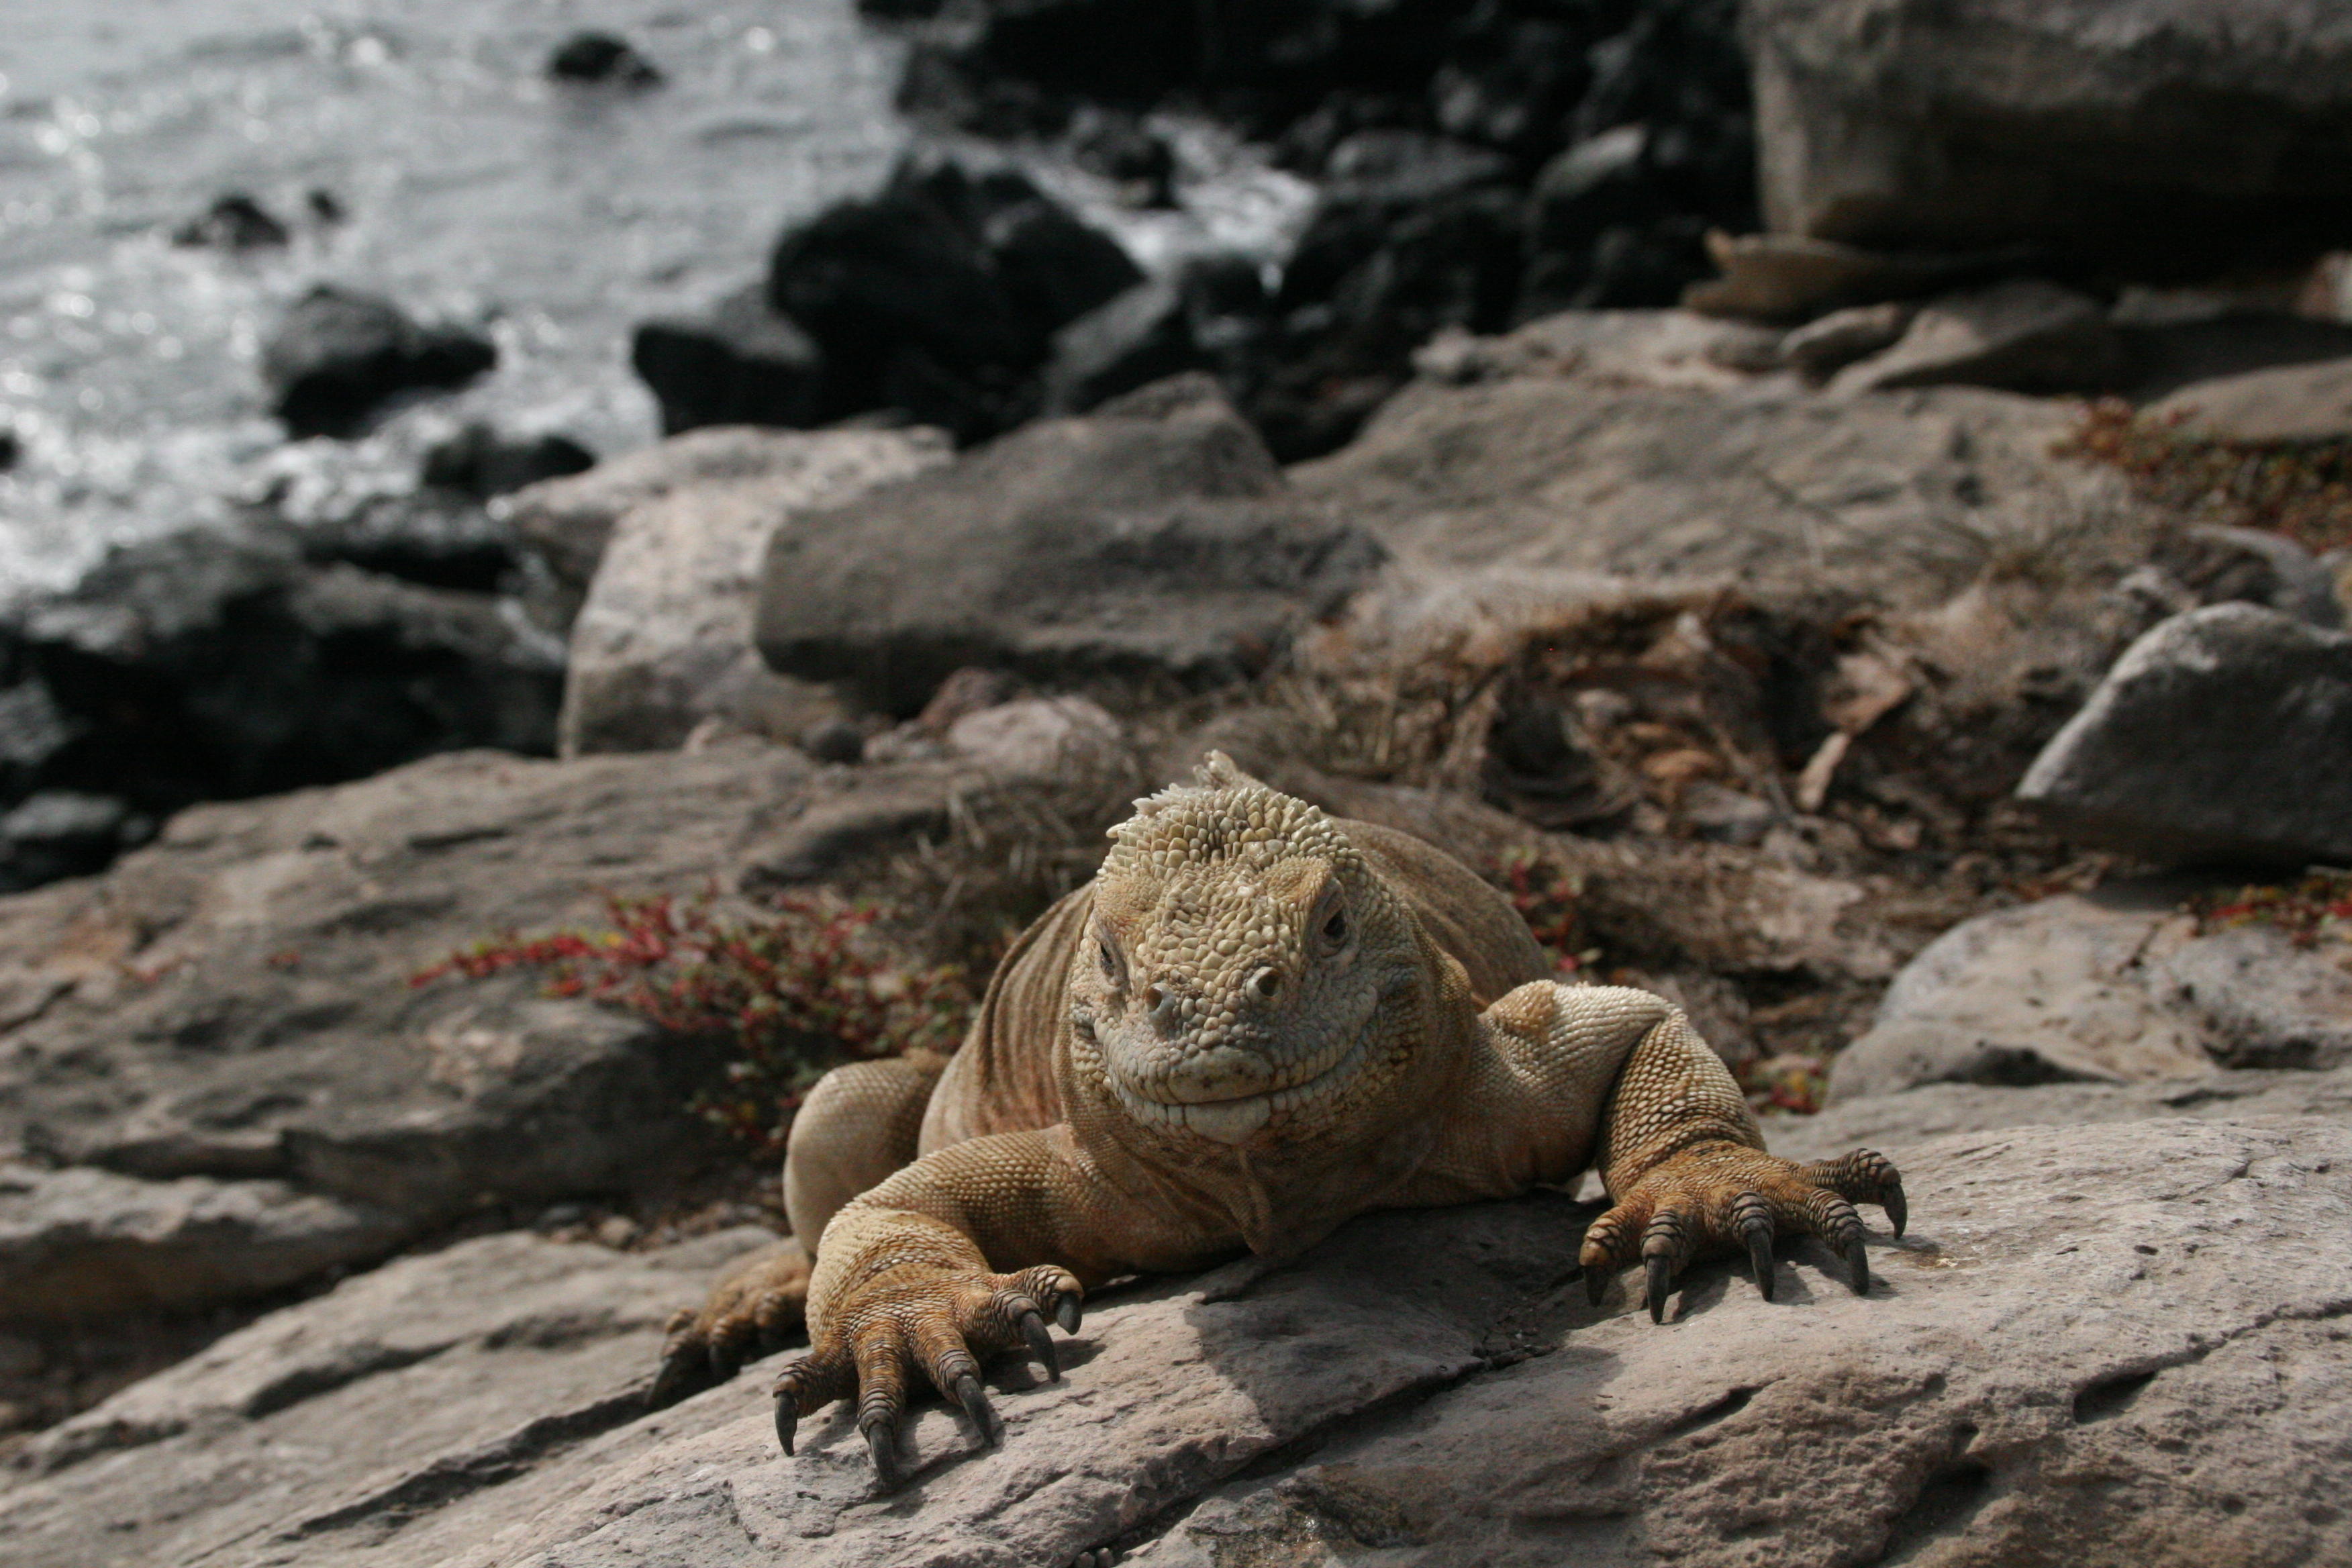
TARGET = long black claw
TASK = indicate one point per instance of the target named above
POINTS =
(1898, 1211)
(885, 1452)
(1760, 1258)
(1596, 1284)
(787, 1419)
(1660, 1271)
(975, 1402)
(1067, 1314)
(1041, 1344)
(1857, 1263)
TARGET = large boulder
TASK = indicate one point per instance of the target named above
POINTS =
(2114, 987)
(1152, 538)
(2218, 735)
(663, 639)
(1641, 444)
(2154, 136)
(1425, 1386)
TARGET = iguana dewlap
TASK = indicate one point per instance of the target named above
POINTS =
(1255, 1024)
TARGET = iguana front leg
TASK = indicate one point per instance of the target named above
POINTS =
(967, 1251)
(1686, 1167)
(1618, 1078)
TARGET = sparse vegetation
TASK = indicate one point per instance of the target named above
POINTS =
(796, 989)
(2304, 492)
(2316, 906)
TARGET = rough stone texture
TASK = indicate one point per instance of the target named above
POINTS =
(1152, 538)
(2288, 404)
(1904, 499)
(1821, 348)
(2255, 1096)
(80, 1243)
(2026, 335)
(2115, 986)
(1425, 1387)
(1788, 277)
(2221, 734)
(337, 354)
(2158, 135)
(233, 1003)
(663, 639)
(569, 521)
(1649, 348)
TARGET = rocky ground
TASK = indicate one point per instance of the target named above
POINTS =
(1921, 657)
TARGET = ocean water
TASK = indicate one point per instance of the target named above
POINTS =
(471, 187)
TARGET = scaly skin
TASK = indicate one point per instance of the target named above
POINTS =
(1257, 1023)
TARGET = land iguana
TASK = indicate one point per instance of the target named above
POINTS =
(1256, 1021)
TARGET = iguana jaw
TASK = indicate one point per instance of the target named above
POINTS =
(1232, 1118)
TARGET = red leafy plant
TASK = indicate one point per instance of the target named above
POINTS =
(796, 989)
(2320, 905)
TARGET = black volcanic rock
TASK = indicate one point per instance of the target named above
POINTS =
(337, 354)
(234, 222)
(593, 57)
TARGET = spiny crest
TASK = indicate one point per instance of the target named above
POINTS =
(1225, 816)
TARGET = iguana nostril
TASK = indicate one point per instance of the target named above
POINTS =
(1158, 1002)
(1266, 982)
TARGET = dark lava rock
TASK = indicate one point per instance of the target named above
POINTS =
(10, 450)
(480, 462)
(1154, 540)
(1118, 147)
(1213, 316)
(202, 666)
(593, 57)
(64, 833)
(937, 296)
(740, 363)
(2221, 735)
(234, 222)
(337, 356)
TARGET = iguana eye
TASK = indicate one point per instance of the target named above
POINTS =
(1336, 928)
(1331, 920)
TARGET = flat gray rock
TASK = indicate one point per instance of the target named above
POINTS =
(1425, 1387)
(2025, 335)
(2115, 986)
(2288, 406)
(2221, 734)
(1153, 538)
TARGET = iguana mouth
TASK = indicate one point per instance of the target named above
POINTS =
(1230, 1118)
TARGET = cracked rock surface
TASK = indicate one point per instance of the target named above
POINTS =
(2069, 1360)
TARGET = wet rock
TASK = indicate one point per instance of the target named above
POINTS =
(481, 1397)
(593, 57)
(1212, 316)
(336, 355)
(82, 1243)
(2028, 336)
(2287, 405)
(939, 294)
(739, 364)
(2115, 986)
(202, 664)
(663, 639)
(233, 222)
(1121, 149)
(2215, 736)
(2161, 136)
(1152, 538)
(1821, 348)
(478, 461)
(59, 833)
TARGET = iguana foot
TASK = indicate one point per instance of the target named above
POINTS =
(1716, 1197)
(939, 1321)
(755, 1310)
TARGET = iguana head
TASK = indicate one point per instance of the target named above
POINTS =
(1241, 975)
